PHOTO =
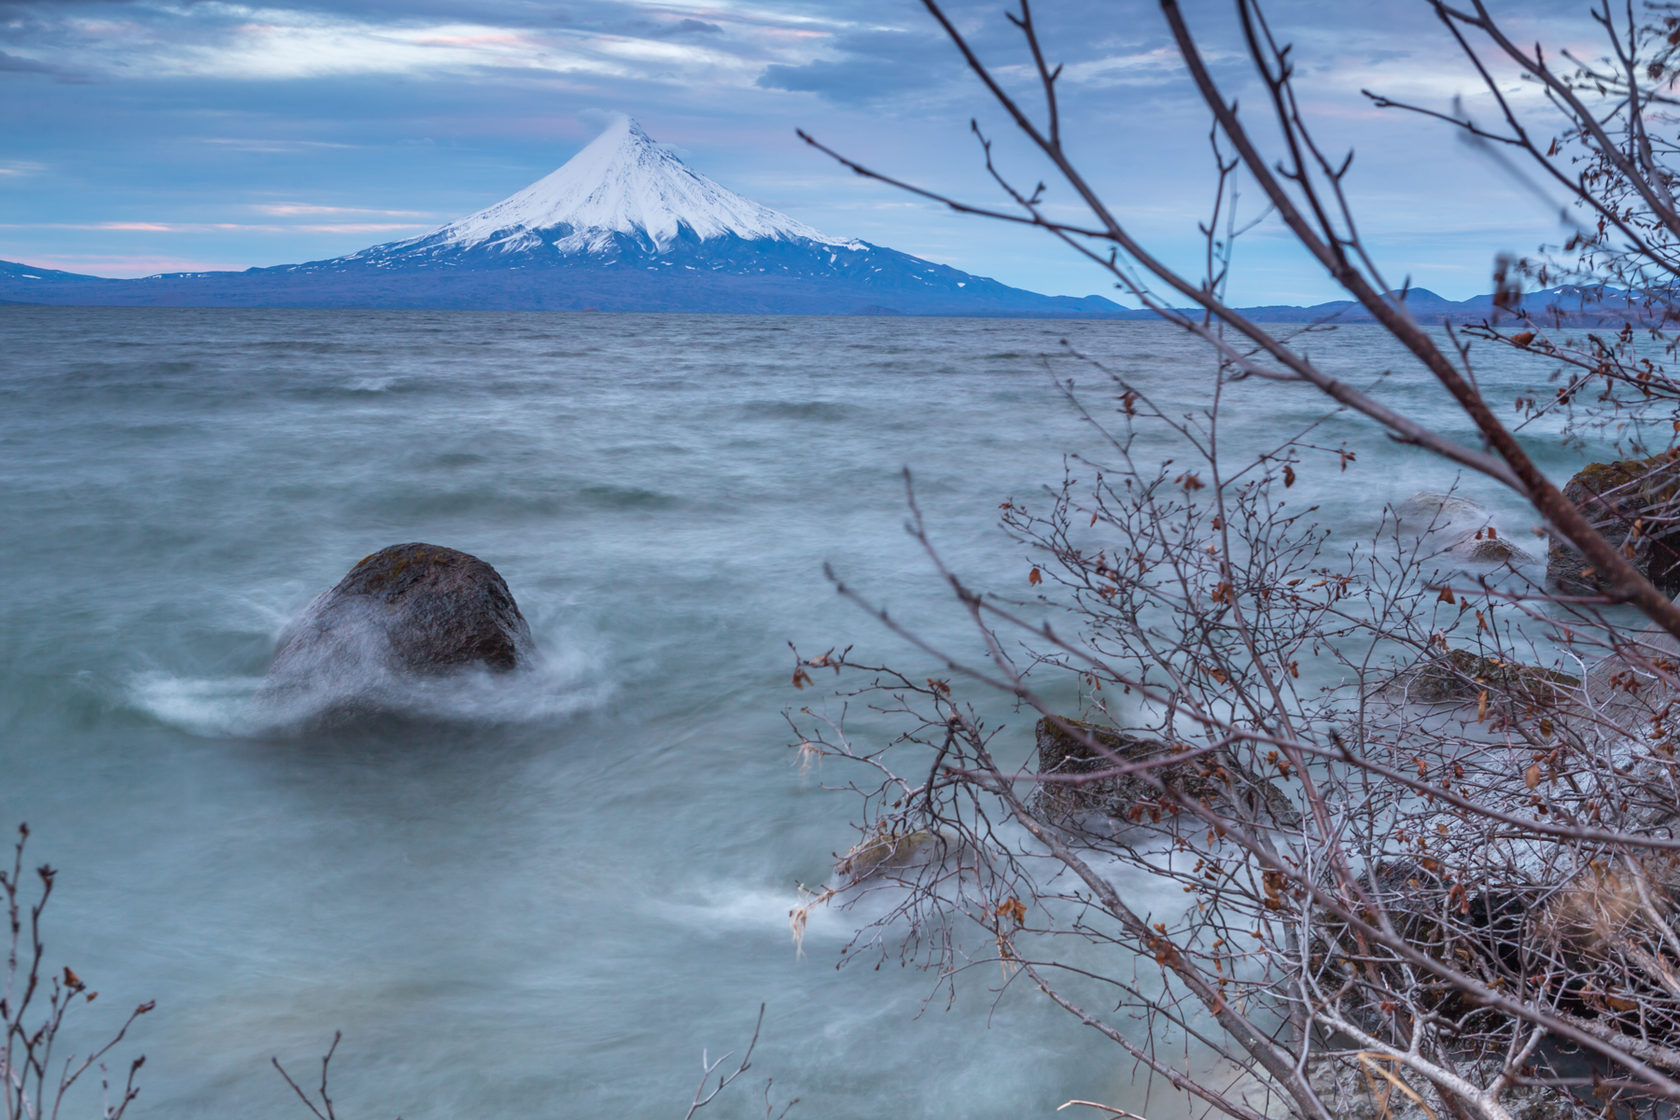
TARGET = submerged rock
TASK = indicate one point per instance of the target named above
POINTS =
(1218, 780)
(1455, 527)
(1439, 517)
(410, 609)
(1633, 505)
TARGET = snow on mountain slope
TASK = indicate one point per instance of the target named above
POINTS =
(621, 183)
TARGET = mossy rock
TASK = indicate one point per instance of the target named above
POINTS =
(1460, 677)
(889, 850)
(1217, 780)
(1633, 504)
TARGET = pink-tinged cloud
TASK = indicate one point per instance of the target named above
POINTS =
(305, 209)
(791, 34)
(504, 39)
(138, 227)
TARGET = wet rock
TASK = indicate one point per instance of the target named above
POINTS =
(1492, 550)
(886, 852)
(1103, 803)
(411, 609)
(1460, 677)
(1632, 504)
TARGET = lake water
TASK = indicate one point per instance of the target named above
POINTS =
(544, 894)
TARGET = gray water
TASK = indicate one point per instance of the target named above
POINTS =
(545, 894)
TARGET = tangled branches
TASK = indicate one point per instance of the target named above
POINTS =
(1393, 818)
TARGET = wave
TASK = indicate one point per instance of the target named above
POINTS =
(253, 707)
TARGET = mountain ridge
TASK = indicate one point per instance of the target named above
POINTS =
(1565, 303)
(625, 225)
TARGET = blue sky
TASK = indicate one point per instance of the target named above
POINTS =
(139, 136)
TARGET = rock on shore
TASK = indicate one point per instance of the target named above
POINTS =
(1631, 503)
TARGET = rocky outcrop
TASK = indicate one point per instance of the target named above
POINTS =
(1108, 801)
(1632, 503)
(409, 609)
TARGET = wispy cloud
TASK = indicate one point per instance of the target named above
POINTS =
(20, 64)
(222, 227)
(252, 144)
(359, 227)
(133, 227)
(306, 209)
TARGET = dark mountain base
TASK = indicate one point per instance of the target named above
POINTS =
(577, 288)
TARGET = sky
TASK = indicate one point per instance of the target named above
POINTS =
(145, 136)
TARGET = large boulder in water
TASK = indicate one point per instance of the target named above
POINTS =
(410, 609)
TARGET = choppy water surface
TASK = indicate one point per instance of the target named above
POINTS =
(539, 895)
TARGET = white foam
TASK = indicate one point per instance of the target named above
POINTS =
(559, 685)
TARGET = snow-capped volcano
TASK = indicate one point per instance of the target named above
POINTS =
(623, 225)
(623, 183)
(622, 192)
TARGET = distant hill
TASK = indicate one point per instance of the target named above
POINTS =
(622, 226)
(1566, 304)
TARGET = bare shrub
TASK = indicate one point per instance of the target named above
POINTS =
(1418, 816)
(34, 1006)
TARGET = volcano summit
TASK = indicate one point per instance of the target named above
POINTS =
(624, 225)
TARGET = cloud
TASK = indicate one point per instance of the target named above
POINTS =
(873, 66)
(302, 209)
(222, 227)
(18, 64)
(308, 39)
(1146, 67)
(248, 144)
(681, 27)
(359, 227)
